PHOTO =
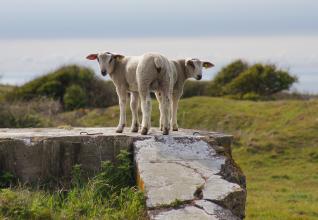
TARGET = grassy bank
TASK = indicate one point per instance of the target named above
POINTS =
(276, 144)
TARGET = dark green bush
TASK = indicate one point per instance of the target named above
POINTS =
(263, 80)
(74, 97)
(51, 89)
(195, 88)
(99, 93)
(226, 75)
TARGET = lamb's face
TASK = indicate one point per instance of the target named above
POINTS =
(106, 61)
(195, 66)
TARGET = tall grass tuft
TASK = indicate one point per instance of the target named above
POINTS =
(111, 194)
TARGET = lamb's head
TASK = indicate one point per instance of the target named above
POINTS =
(194, 67)
(107, 61)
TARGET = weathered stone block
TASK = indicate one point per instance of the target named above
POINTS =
(186, 175)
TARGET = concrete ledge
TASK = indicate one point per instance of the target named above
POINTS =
(189, 174)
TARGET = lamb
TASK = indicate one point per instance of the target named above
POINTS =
(166, 77)
(122, 71)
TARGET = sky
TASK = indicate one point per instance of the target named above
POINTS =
(37, 36)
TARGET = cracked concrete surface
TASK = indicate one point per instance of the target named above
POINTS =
(186, 171)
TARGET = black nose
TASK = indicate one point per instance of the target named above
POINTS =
(104, 73)
(199, 77)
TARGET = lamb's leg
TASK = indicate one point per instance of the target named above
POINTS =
(134, 104)
(175, 101)
(159, 98)
(146, 110)
(122, 96)
(166, 108)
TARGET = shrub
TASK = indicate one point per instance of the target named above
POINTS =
(195, 88)
(99, 93)
(263, 80)
(51, 89)
(251, 96)
(226, 75)
(74, 97)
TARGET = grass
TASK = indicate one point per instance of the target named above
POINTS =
(108, 195)
(276, 144)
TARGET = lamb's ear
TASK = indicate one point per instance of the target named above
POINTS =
(92, 56)
(189, 63)
(118, 57)
(207, 64)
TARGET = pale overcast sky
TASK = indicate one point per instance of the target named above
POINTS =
(146, 18)
(37, 36)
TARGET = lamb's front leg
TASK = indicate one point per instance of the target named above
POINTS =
(134, 103)
(122, 96)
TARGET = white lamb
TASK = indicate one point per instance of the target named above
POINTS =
(166, 77)
(122, 71)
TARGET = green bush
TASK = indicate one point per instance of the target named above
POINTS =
(226, 75)
(51, 89)
(263, 80)
(195, 88)
(251, 96)
(99, 93)
(74, 97)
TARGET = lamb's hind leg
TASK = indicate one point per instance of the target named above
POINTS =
(175, 101)
(166, 111)
(159, 98)
(144, 94)
(134, 104)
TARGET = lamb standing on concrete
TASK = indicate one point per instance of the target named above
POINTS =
(122, 71)
(166, 78)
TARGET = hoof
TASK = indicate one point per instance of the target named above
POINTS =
(175, 127)
(144, 131)
(134, 129)
(119, 131)
(165, 131)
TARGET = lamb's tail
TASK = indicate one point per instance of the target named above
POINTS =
(159, 64)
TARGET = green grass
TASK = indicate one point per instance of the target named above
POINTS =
(276, 144)
(108, 195)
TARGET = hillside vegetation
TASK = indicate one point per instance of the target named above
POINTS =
(276, 144)
(73, 86)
